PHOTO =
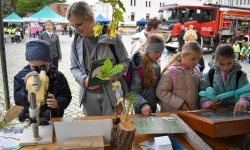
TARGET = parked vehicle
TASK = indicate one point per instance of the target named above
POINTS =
(208, 19)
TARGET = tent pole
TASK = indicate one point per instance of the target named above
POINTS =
(3, 61)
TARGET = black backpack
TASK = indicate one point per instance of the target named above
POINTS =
(211, 77)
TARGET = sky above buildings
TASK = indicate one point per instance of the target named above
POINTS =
(90, 2)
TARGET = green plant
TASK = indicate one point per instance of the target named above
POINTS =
(108, 70)
(131, 101)
(117, 15)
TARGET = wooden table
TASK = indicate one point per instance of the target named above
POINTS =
(215, 143)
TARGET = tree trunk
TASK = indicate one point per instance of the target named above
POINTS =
(122, 136)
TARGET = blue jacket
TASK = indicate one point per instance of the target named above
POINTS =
(220, 87)
(58, 86)
(148, 95)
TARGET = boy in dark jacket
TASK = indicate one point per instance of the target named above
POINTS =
(38, 53)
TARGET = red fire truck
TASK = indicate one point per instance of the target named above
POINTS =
(208, 19)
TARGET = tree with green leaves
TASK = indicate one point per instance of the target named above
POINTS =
(9, 6)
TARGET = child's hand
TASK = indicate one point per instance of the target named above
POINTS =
(213, 104)
(86, 81)
(146, 110)
(51, 101)
(26, 77)
(184, 107)
(239, 107)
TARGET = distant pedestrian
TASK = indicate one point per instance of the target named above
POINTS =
(217, 40)
(153, 26)
(239, 37)
(236, 48)
(53, 39)
(198, 36)
(180, 37)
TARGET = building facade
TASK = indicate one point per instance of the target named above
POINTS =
(241, 3)
(138, 9)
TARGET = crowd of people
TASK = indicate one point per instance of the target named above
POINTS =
(174, 87)
(17, 33)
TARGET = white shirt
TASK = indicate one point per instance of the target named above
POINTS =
(18, 33)
(49, 33)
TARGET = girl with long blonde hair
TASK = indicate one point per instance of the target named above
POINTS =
(146, 73)
(181, 93)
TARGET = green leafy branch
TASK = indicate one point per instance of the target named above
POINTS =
(108, 70)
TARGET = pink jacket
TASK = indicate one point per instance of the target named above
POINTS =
(33, 30)
(186, 90)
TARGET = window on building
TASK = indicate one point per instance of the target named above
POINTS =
(240, 2)
(237, 2)
(131, 2)
(132, 17)
(146, 3)
(163, 4)
(134, 2)
(149, 4)
(147, 16)
(160, 4)
(245, 2)
(248, 2)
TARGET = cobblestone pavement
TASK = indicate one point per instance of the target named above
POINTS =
(15, 56)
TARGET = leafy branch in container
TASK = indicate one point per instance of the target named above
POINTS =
(131, 101)
(107, 71)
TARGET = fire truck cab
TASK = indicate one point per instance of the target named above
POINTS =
(208, 19)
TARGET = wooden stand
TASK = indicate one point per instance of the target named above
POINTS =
(84, 143)
(122, 136)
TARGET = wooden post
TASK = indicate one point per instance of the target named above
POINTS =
(122, 136)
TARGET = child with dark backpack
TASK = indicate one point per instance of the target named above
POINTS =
(145, 74)
(224, 76)
(178, 86)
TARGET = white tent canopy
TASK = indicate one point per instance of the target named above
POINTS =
(13, 17)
